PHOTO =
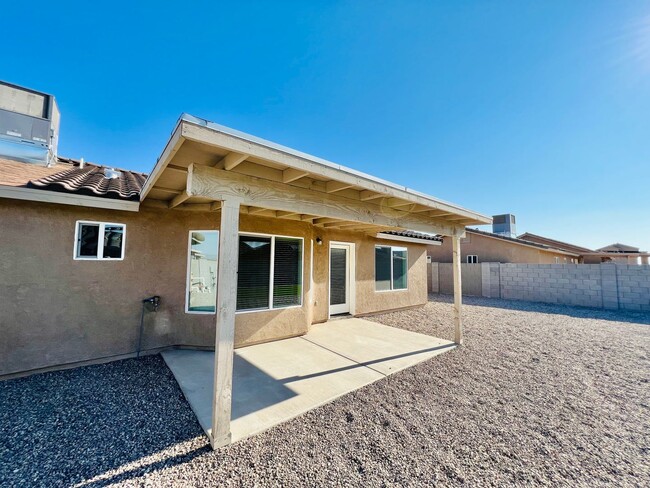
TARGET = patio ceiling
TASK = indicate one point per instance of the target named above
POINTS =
(204, 163)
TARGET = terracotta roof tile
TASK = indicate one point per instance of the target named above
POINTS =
(69, 177)
(92, 180)
(15, 173)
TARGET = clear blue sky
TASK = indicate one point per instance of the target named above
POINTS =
(541, 109)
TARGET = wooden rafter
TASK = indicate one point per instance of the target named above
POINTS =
(291, 174)
(178, 199)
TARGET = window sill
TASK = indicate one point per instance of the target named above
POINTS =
(258, 310)
(243, 312)
(98, 259)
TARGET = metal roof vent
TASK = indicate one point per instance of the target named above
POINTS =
(111, 174)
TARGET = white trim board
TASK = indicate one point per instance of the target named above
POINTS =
(33, 195)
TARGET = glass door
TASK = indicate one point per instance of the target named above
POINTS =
(339, 279)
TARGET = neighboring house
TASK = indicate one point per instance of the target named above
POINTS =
(242, 239)
(616, 253)
(502, 245)
(481, 247)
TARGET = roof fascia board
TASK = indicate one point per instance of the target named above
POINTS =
(244, 143)
(173, 144)
(414, 240)
(33, 195)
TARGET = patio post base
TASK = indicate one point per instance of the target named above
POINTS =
(224, 440)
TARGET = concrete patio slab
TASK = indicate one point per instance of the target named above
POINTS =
(277, 381)
(380, 347)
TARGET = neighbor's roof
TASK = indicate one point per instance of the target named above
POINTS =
(618, 247)
(554, 243)
(523, 242)
(68, 176)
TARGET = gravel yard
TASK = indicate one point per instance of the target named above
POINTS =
(539, 394)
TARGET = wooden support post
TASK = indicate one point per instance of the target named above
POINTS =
(458, 291)
(225, 334)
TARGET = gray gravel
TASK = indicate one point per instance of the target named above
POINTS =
(539, 395)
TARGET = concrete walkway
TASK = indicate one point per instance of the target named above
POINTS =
(276, 381)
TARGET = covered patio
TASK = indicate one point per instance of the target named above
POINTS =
(206, 167)
(277, 381)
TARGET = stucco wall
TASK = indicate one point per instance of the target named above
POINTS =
(489, 249)
(367, 299)
(56, 311)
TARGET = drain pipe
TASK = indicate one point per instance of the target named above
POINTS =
(155, 303)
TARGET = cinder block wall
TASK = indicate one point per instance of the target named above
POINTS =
(610, 286)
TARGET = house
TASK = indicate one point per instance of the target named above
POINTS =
(614, 253)
(234, 240)
(502, 245)
(479, 246)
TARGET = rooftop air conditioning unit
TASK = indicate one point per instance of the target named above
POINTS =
(29, 125)
(504, 225)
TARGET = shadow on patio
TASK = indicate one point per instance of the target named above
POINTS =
(277, 381)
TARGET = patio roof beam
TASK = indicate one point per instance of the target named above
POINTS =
(217, 184)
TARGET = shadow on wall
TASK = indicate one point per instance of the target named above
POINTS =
(642, 318)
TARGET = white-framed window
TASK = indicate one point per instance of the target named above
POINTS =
(557, 260)
(472, 259)
(202, 254)
(391, 268)
(99, 241)
(269, 272)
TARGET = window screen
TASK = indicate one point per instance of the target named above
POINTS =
(287, 272)
(400, 266)
(382, 268)
(253, 279)
(391, 268)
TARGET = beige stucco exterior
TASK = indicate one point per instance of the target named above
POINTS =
(57, 311)
(496, 250)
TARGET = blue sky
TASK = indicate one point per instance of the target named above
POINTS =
(541, 109)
